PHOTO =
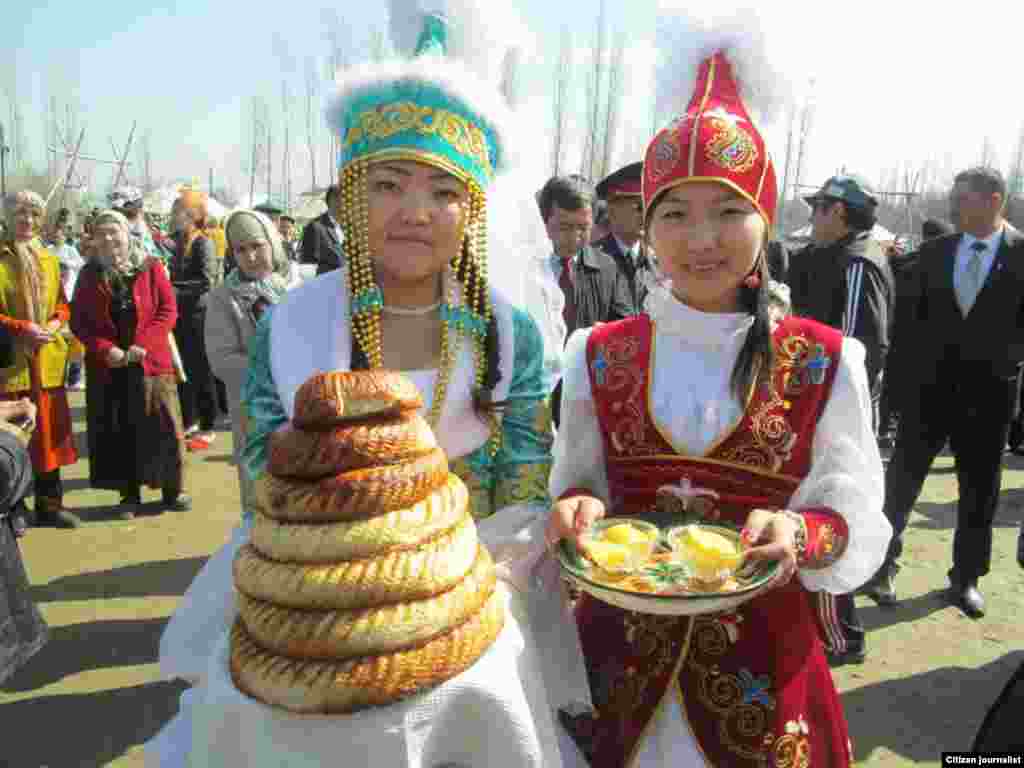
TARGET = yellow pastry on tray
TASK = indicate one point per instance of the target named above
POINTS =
(712, 555)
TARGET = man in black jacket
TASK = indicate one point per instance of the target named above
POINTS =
(968, 340)
(583, 284)
(322, 238)
(845, 281)
(621, 192)
(907, 284)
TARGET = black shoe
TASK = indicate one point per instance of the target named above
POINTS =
(849, 656)
(58, 517)
(128, 509)
(181, 502)
(1020, 547)
(968, 598)
(882, 587)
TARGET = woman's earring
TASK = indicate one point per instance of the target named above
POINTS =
(752, 281)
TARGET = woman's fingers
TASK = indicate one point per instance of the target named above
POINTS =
(571, 517)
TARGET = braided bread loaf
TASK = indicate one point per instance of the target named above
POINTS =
(338, 687)
(364, 580)
(338, 397)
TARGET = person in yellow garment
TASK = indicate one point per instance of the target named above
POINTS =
(34, 310)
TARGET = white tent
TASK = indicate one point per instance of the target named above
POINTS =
(161, 200)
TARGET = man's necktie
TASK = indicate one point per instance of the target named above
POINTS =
(565, 283)
(970, 285)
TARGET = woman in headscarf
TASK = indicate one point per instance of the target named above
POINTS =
(123, 312)
(195, 270)
(263, 275)
(413, 296)
(34, 310)
(712, 392)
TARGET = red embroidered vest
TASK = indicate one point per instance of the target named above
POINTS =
(753, 685)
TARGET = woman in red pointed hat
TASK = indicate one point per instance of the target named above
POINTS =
(771, 420)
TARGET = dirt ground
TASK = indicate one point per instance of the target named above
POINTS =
(92, 696)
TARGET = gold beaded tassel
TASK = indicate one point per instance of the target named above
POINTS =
(355, 219)
(480, 302)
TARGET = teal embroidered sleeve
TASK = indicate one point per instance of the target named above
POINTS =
(523, 462)
(261, 406)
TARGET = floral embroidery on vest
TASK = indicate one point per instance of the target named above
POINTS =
(614, 368)
(792, 749)
(744, 701)
(622, 687)
(772, 438)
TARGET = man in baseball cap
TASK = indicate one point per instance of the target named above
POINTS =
(845, 280)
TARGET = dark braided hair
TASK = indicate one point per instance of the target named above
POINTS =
(757, 353)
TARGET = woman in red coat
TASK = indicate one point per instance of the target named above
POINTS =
(123, 312)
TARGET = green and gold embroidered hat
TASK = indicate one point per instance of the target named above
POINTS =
(428, 108)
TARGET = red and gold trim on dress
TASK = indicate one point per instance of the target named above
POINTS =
(826, 535)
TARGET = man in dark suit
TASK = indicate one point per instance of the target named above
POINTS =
(621, 193)
(322, 237)
(584, 281)
(968, 336)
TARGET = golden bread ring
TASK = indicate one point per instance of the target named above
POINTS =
(326, 400)
(333, 542)
(312, 455)
(338, 687)
(347, 634)
(354, 495)
(395, 577)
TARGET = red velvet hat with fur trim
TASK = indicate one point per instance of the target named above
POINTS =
(714, 140)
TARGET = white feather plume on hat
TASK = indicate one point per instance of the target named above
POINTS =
(483, 35)
(763, 65)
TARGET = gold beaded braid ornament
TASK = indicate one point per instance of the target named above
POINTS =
(431, 110)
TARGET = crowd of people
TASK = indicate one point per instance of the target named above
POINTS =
(666, 340)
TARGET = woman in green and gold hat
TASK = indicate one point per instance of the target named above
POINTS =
(422, 142)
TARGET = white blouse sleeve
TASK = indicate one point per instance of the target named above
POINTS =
(847, 476)
(579, 460)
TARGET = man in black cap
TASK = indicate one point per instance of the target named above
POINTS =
(622, 194)
(322, 237)
(845, 281)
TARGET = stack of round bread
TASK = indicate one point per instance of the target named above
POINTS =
(364, 581)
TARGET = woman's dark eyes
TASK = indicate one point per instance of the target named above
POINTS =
(385, 186)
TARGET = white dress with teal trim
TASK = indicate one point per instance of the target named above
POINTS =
(499, 712)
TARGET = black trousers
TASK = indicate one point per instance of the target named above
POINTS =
(973, 411)
(198, 395)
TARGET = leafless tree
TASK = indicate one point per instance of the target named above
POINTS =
(594, 90)
(613, 109)
(339, 44)
(312, 115)
(287, 65)
(804, 134)
(258, 134)
(1015, 180)
(144, 157)
(988, 153)
(561, 101)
